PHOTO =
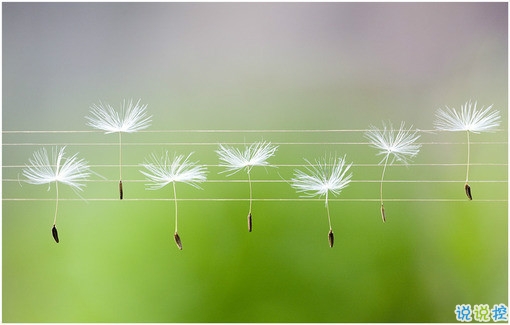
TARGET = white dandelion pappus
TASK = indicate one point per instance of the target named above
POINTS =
(321, 178)
(163, 170)
(235, 160)
(131, 118)
(256, 154)
(398, 144)
(66, 170)
(468, 119)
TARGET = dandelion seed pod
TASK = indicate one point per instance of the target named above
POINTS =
(250, 224)
(331, 238)
(178, 240)
(120, 190)
(383, 214)
(54, 233)
(468, 191)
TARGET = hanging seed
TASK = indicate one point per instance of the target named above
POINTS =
(383, 214)
(250, 225)
(468, 191)
(120, 190)
(178, 240)
(331, 238)
(54, 233)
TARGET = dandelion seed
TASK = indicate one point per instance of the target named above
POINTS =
(467, 188)
(324, 177)
(121, 192)
(132, 118)
(54, 232)
(178, 240)
(164, 170)
(398, 144)
(250, 222)
(383, 214)
(70, 171)
(468, 119)
(235, 160)
(331, 238)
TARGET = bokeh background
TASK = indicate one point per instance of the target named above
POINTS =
(254, 66)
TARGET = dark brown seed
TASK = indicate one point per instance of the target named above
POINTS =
(383, 214)
(331, 238)
(54, 233)
(250, 225)
(178, 240)
(120, 190)
(468, 191)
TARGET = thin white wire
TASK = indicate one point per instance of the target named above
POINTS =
(220, 131)
(191, 131)
(297, 166)
(145, 144)
(259, 200)
(284, 181)
(300, 165)
(197, 131)
(215, 143)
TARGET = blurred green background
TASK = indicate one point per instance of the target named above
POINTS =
(254, 66)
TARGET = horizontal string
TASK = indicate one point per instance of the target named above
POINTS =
(295, 165)
(223, 131)
(227, 143)
(284, 181)
(262, 200)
